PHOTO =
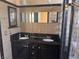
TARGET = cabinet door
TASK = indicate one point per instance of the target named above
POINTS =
(14, 50)
(22, 51)
(44, 52)
(34, 51)
(49, 52)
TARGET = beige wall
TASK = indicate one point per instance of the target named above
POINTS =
(5, 31)
(40, 28)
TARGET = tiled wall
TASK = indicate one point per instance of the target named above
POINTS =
(49, 28)
(6, 32)
(74, 51)
(60, 22)
(68, 25)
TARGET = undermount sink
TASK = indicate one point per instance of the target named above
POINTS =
(22, 38)
(48, 40)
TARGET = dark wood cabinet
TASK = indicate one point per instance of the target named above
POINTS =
(49, 51)
(20, 50)
(34, 50)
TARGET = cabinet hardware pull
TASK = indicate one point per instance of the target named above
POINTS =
(38, 47)
(32, 53)
(33, 47)
(27, 46)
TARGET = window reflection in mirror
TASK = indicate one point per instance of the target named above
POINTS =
(39, 17)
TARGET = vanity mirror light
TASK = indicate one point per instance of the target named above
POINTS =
(39, 17)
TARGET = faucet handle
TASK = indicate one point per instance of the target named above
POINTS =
(26, 35)
(19, 35)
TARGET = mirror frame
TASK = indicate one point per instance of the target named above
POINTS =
(14, 19)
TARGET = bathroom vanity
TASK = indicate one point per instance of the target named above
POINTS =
(36, 46)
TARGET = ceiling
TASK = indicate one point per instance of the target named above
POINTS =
(35, 2)
(55, 4)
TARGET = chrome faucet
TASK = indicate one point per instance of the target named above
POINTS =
(26, 36)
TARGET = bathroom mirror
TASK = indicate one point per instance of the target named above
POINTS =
(39, 17)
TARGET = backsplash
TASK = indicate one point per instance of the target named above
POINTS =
(40, 28)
